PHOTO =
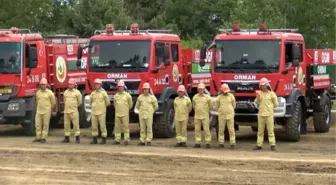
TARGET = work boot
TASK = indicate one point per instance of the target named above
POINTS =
(94, 140)
(149, 144)
(43, 141)
(66, 139)
(116, 143)
(207, 146)
(257, 148)
(197, 146)
(141, 144)
(36, 140)
(273, 148)
(177, 145)
(103, 141)
(221, 146)
(77, 139)
(232, 147)
(125, 143)
(184, 144)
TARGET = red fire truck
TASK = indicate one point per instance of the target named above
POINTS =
(25, 58)
(297, 75)
(138, 56)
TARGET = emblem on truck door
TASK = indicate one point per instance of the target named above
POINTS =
(61, 69)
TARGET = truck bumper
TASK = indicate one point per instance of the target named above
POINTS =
(110, 111)
(283, 110)
(15, 107)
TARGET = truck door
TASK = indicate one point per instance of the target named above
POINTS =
(299, 76)
(177, 64)
(33, 74)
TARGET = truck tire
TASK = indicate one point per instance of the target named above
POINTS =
(255, 129)
(226, 131)
(164, 126)
(110, 128)
(29, 127)
(322, 119)
(293, 124)
(83, 117)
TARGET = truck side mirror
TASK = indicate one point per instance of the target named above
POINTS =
(31, 55)
(79, 56)
(295, 55)
(166, 59)
(202, 56)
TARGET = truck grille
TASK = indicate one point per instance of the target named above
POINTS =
(243, 86)
(131, 86)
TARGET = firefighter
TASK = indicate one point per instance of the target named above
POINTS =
(146, 104)
(99, 100)
(266, 100)
(202, 104)
(226, 103)
(72, 101)
(45, 102)
(122, 103)
(182, 107)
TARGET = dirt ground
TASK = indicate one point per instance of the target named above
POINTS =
(310, 161)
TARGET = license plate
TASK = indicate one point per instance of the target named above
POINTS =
(241, 106)
(5, 91)
(111, 97)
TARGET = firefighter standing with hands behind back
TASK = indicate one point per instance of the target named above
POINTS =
(146, 104)
(182, 107)
(226, 103)
(72, 100)
(45, 102)
(266, 101)
(99, 100)
(122, 103)
(202, 105)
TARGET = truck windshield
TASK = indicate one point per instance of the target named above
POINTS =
(256, 56)
(119, 56)
(10, 57)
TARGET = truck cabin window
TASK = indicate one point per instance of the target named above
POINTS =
(119, 56)
(248, 56)
(159, 52)
(10, 57)
(289, 55)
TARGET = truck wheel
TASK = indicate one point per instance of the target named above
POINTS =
(54, 121)
(110, 128)
(164, 126)
(84, 121)
(226, 131)
(322, 119)
(255, 129)
(293, 124)
(29, 128)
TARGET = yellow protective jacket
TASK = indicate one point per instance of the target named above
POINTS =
(122, 103)
(147, 105)
(226, 104)
(266, 102)
(45, 101)
(182, 107)
(72, 100)
(99, 100)
(202, 105)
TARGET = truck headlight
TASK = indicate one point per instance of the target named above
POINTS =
(281, 102)
(13, 106)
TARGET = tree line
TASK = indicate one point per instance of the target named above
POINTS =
(196, 21)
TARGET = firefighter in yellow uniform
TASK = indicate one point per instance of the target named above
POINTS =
(45, 102)
(202, 105)
(72, 100)
(99, 100)
(122, 103)
(266, 101)
(146, 104)
(226, 103)
(182, 107)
